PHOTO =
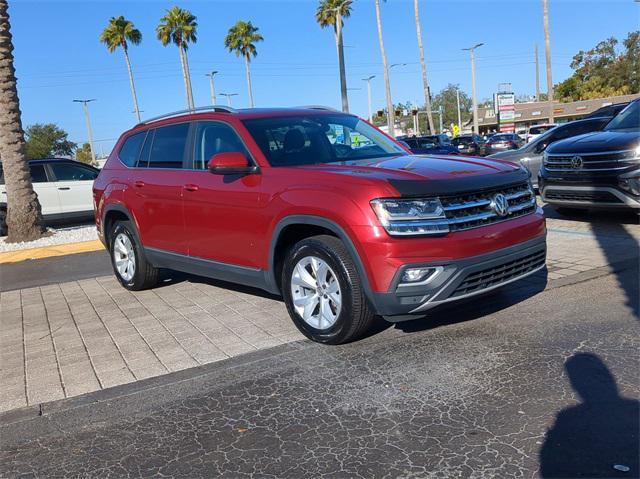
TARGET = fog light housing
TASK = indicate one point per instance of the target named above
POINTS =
(419, 276)
(632, 185)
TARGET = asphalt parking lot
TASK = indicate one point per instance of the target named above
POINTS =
(539, 379)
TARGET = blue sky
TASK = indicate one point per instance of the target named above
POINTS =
(58, 56)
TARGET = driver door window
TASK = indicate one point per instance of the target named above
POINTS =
(213, 138)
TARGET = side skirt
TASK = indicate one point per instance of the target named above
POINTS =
(253, 277)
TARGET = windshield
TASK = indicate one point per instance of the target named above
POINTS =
(315, 139)
(627, 120)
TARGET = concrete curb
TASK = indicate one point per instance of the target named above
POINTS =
(49, 251)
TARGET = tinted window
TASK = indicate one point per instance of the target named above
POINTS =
(131, 149)
(627, 119)
(575, 129)
(213, 138)
(538, 130)
(71, 172)
(167, 149)
(38, 175)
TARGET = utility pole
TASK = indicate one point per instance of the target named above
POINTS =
(368, 80)
(537, 75)
(214, 100)
(459, 117)
(547, 52)
(229, 95)
(472, 50)
(441, 111)
(85, 106)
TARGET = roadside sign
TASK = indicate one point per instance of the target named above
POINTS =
(506, 106)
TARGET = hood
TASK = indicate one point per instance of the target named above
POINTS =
(597, 142)
(512, 155)
(424, 175)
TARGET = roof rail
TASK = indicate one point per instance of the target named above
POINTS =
(215, 108)
(317, 107)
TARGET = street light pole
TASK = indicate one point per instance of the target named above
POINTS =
(472, 50)
(214, 100)
(368, 80)
(85, 106)
(459, 119)
(229, 95)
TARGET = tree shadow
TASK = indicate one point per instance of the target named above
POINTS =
(589, 439)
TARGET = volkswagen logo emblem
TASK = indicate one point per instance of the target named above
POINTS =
(500, 205)
(576, 162)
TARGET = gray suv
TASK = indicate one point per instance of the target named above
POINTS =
(531, 154)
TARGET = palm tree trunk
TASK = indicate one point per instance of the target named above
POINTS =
(547, 47)
(132, 84)
(423, 64)
(24, 217)
(385, 66)
(343, 74)
(189, 88)
(246, 64)
(185, 77)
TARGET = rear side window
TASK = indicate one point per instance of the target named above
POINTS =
(131, 147)
(168, 146)
(71, 172)
(38, 175)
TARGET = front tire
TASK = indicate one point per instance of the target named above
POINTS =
(323, 291)
(127, 258)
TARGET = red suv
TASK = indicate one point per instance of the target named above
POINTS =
(318, 206)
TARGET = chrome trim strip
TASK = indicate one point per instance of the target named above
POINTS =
(590, 189)
(590, 154)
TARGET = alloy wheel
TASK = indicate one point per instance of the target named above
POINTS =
(315, 291)
(124, 257)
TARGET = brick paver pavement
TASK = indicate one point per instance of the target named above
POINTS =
(68, 339)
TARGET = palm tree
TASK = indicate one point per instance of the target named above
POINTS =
(23, 215)
(118, 33)
(241, 39)
(178, 26)
(425, 83)
(385, 66)
(547, 48)
(328, 13)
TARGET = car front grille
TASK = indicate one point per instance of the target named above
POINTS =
(497, 275)
(473, 210)
(591, 162)
(589, 196)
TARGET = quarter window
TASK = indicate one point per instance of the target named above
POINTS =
(131, 149)
(167, 149)
(213, 138)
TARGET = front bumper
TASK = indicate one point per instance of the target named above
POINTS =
(460, 279)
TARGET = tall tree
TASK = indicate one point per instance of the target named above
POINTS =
(385, 67)
(119, 33)
(83, 154)
(241, 39)
(447, 99)
(547, 52)
(423, 65)
(178, 26)
(331, 13)
(23, 215)
(47, 139)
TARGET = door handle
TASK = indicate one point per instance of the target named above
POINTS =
(64, 188)
(138, 184)
(191, 187)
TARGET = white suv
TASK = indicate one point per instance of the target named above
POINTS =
(64, 188)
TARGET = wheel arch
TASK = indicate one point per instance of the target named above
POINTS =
(316, 225)
(113, 213)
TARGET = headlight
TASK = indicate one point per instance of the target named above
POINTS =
(411, 217)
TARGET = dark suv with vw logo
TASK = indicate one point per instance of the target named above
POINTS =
(599, 169)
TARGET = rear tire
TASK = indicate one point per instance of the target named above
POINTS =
(127, 258)
(338, 310)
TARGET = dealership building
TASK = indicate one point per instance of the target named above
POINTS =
(535, 113)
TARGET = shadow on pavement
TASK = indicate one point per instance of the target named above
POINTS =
(599, 433)
(479, 306)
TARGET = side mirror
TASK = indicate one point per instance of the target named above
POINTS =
(231, 163)
(541, 147)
